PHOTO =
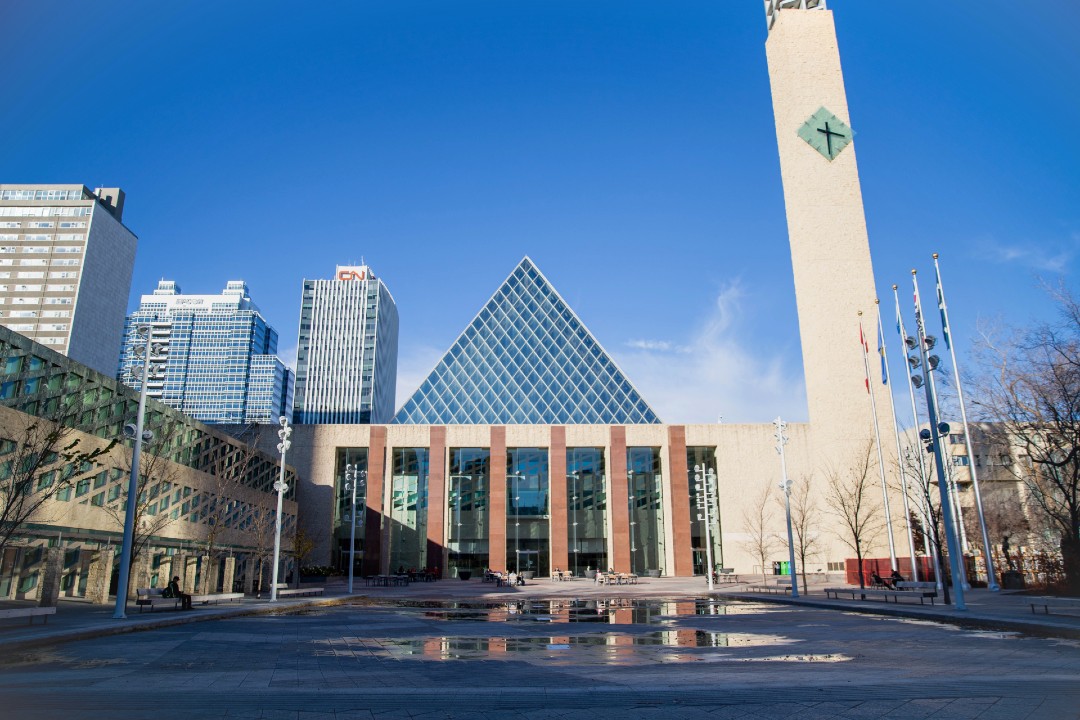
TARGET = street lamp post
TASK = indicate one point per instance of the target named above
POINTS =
(573, 519)
(703, 482)
(517, 520)
(281, 487)
(785, 485)
(353, 478)
(145, 349)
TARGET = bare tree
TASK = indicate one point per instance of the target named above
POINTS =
(41, 460)
(924, 494)
(850, 497)
(1031, 385)
(757, 519)
(260, 533)
(156, 484)
(805, 518)
(229, 471)
(303, 544)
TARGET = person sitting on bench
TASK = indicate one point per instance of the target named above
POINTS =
(173, 591)
(876, 580)
(896, 577)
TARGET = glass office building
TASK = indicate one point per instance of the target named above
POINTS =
(218, 354)
(346, 360)
(526, 358)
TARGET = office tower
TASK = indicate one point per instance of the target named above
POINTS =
(220, 355)
(346, 359)
(65, 269)
(526, 358)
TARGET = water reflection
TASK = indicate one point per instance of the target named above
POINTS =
(616, 611)
(610, 647)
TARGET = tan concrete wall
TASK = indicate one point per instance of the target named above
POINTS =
(746, 461)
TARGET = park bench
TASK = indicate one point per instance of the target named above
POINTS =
(152, 598)
(1056, 605)
(284, 591)
(884, 593)
(216, 598)
(28, 612)
(780, 585)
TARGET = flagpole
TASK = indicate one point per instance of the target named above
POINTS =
(885, 378)
(928, 521)
(877, 444)
(990, 574)
(955, 556)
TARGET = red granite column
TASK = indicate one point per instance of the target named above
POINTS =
(497, 500)
(679, 485)
(436, 505)
(373, 521)
(619, 501)
(559, 548)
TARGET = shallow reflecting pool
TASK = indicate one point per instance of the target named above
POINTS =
(606, 647)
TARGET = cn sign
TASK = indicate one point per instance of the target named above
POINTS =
(351, 274)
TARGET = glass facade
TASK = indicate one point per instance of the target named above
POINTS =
(408, 510)
(528, 526)
(343, 514)
(704, 457)
(645, 497)
(467, 506)
(217, 352)
(586, 503)
(526, 358)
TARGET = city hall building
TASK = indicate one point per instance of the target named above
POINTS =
(527, 448)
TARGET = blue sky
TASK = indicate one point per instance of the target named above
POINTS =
(627, 147)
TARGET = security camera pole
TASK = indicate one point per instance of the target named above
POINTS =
(281, 487)
(925, 344)
(136, 432)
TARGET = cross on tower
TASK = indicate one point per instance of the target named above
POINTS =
(828, 133)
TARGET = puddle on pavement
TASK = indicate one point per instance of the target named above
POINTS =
(620, 611)
(648, 647)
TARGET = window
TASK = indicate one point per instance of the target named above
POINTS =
(960, 461)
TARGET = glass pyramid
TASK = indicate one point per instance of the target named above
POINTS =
(526, 358)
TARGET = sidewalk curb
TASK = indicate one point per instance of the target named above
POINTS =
(980, 622)
(221, 613)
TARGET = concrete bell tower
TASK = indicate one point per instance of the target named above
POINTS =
(830, 250)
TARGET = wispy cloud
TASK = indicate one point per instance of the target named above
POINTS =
(716, 372)
(720, 375)
(288, 356)
(658, 346)
(1054, 257)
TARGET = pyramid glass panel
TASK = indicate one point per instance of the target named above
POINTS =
(526, 359)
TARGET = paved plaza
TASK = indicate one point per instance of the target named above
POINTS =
(551, 650)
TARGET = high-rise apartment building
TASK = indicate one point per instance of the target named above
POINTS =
(346, 359)
(218, 353)
(65, 269)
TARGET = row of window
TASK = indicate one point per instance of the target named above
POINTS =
(43, 224)
(37, 288)
(46, 211)
(40, 195)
